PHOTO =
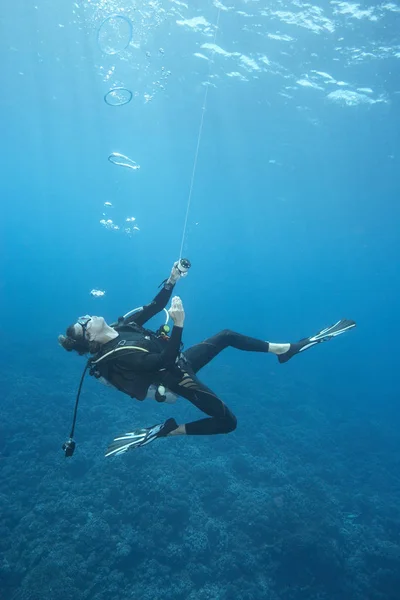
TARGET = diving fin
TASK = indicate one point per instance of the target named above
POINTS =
(322, 336)
(140, 437)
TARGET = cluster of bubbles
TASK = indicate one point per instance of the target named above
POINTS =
(128, 226)
(159, 84)
(115, 36)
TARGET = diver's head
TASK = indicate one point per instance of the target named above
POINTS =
(87, 335)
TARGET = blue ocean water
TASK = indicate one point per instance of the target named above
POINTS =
(293, 224)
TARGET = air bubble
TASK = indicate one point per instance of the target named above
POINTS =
(118, 97)
(123, 161)
(114, 34)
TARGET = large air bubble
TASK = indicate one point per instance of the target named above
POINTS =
(114, 34)
(118, 97)
(123, 161)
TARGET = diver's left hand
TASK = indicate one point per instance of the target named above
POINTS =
(176, 312)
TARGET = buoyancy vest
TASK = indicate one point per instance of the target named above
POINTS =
(106, 363)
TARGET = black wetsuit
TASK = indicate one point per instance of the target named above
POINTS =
(138, 358)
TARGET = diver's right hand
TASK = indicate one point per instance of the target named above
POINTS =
(175, 274)
(176, 311)
(179, 269)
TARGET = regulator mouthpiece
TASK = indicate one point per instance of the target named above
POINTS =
(184, 265)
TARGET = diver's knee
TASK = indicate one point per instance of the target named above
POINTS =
(230, 423)
(227, 334)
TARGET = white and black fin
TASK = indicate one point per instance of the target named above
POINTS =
(322, 336)
(332, 331)
(140, 437)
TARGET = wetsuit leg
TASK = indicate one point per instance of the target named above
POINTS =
(201, 354)
(221, 419)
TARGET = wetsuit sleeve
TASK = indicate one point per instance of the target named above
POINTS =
(150, 310)
(144, 362)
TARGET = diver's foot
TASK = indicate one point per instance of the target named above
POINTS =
(140, 437)
(294, 349)
(322, 336)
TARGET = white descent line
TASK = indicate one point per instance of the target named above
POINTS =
(203, 110)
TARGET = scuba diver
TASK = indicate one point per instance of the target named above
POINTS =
(143, 363)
